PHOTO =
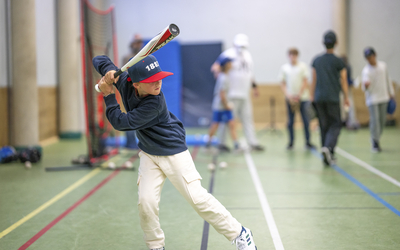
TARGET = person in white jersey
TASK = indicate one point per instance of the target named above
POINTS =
(241, 81)
(378, 91)
(294, 83)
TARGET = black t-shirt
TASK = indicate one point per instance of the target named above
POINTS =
(328, 67)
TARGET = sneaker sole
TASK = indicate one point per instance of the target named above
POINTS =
(375, 151)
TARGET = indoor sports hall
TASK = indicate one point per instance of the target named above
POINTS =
(305, 154)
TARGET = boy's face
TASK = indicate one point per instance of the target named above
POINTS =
(152, 88)
(371, 59)
(293, 58)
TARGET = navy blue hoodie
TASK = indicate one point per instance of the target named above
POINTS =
(159, 131)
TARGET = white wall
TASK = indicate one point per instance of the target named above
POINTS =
(45, 42)
(272, 26)
(46, 38)
(3, 42)
(377, 24)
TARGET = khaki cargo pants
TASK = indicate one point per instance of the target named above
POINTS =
(182, 173)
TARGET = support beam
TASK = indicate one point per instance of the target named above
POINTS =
(24, 93)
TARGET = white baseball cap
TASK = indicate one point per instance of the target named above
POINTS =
(241, 40)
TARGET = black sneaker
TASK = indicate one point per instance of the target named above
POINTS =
(309, 146)
(375, 147)
(289, 146)
(223, 148)
(257, 148)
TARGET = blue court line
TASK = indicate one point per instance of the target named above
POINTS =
(393, 193)
(360, 185)
(206, 225)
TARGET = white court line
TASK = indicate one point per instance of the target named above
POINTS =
(264, 202)
(367, 166)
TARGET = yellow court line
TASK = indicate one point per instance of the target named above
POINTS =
(50, 202)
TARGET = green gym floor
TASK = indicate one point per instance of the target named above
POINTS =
(288, 199)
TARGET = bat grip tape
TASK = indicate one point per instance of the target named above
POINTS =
(116, 74)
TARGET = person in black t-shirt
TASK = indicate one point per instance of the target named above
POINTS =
(329, 77)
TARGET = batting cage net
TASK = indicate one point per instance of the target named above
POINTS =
(98, 37)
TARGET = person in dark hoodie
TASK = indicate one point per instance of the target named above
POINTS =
(164, 153)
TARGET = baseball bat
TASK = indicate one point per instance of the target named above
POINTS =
(159, 41)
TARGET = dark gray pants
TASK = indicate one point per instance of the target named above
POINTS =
(330, 123)
(377, 119)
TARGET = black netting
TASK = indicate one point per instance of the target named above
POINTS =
(98, 35)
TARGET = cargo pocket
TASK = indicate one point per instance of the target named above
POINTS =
(196, 191)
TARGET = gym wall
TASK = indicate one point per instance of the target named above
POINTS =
(262, 107)
(272, 26)
(46, 51)
(377, 24)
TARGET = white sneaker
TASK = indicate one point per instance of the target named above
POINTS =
(245, 240)
(158, 248)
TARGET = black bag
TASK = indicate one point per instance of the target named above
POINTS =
(30, 154)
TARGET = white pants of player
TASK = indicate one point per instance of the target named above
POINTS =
(182, 173)
(242, 111)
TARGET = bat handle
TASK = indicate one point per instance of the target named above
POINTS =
(116, 74)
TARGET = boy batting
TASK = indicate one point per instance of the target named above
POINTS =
(164, 152)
